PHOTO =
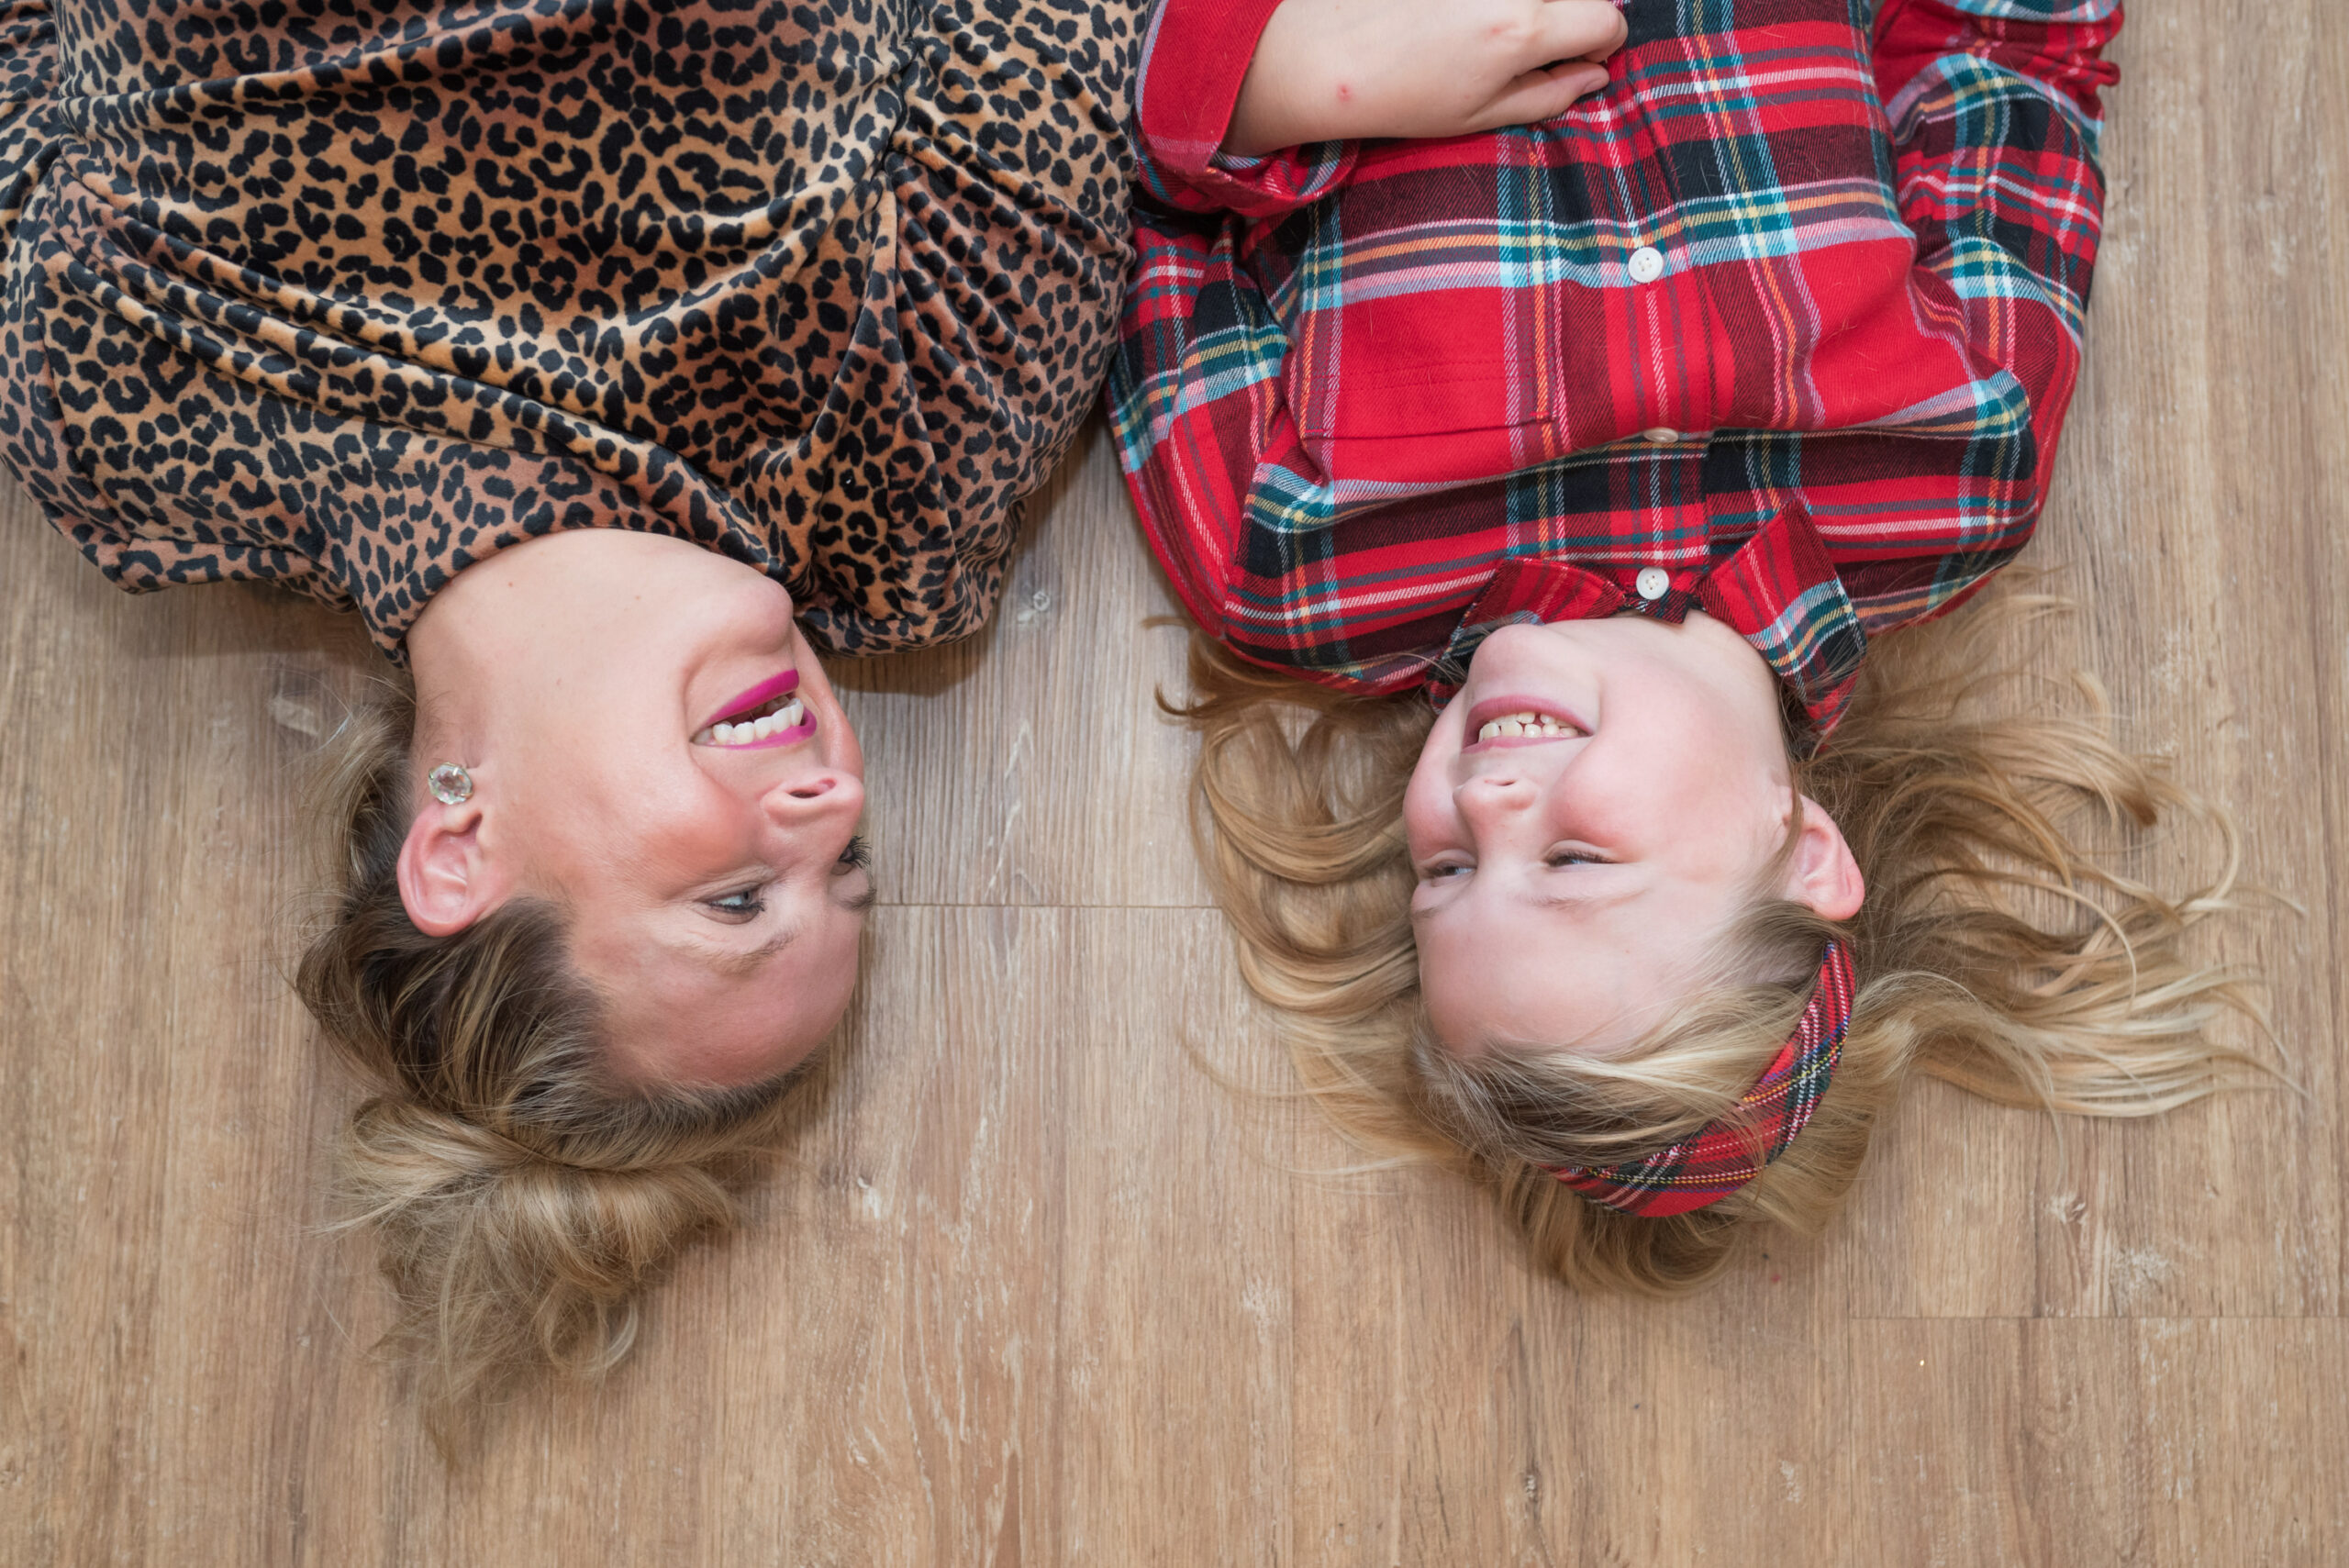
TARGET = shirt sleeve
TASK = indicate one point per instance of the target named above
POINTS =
(1195, 393)
(1195, 59)
(1994, 114)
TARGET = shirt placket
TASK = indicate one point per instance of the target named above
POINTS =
(1666, 325)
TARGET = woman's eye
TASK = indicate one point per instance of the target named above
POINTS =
(858, 856)
(1444, 871)
(743, 905)
(1575, 857)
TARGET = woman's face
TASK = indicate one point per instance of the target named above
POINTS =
(713, 888)
(1574, 875)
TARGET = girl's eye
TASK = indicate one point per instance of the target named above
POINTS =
(1575, 857)
(745, 904)
(858, 856)
(1444, 871)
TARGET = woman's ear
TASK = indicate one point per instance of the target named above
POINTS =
(1822, 875)
(447, 881)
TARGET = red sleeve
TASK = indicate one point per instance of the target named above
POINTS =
(1194, 60)
(2057, 43)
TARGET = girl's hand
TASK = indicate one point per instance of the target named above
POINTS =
(1337, 69)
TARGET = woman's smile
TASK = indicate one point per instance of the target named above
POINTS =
(769, 714)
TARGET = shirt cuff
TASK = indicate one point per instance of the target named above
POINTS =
(1194, 62)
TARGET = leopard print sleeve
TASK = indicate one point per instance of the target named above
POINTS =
(27, 70)
(350, 298)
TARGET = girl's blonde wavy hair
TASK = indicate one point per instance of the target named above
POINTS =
(1995, 949)
(521, 1199)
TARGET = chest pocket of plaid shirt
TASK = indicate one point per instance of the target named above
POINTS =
(1418, 353)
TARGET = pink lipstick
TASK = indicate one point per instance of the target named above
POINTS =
(767, 691)
(769, 715)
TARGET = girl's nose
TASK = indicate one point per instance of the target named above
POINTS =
(1494, 795)
(1501, 780)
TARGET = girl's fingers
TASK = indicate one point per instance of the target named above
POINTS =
(1579, 30)
(1541, 95)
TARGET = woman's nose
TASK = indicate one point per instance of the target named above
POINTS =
(825, 792)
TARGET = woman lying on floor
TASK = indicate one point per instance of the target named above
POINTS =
(608, 361)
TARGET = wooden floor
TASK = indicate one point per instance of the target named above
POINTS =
(1035, 1289)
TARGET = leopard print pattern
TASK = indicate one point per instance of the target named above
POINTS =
(349, 293)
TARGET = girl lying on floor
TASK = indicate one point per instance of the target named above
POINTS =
(1661, 361)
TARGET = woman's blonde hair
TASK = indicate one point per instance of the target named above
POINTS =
(522, 1199)
(1994, 951)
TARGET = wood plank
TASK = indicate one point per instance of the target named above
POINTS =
(2136, 1444)
(1028, 764)
(2198, 488)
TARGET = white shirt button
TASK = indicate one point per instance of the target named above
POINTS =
(1660, 434)
(1651, 582)
(1647, 264)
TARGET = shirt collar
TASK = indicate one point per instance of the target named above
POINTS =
(1778, 589)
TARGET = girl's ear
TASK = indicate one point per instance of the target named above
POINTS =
(1821, 874)
(447, 880)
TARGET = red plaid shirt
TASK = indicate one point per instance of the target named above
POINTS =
(1783, 323)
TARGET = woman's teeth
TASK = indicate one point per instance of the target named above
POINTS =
(1535, 723)
(785, 713)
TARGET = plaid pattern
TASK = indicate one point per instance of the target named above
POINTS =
(1733, 1150)
(1791, 311)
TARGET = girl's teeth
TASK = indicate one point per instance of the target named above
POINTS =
(1511, 724)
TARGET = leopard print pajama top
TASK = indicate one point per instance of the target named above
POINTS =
(348, 294)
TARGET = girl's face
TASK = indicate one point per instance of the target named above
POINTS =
(714, 898)
(1575, 874)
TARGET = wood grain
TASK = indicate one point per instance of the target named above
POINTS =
(1035, 1286)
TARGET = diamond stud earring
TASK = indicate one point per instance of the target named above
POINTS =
(451, 785)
